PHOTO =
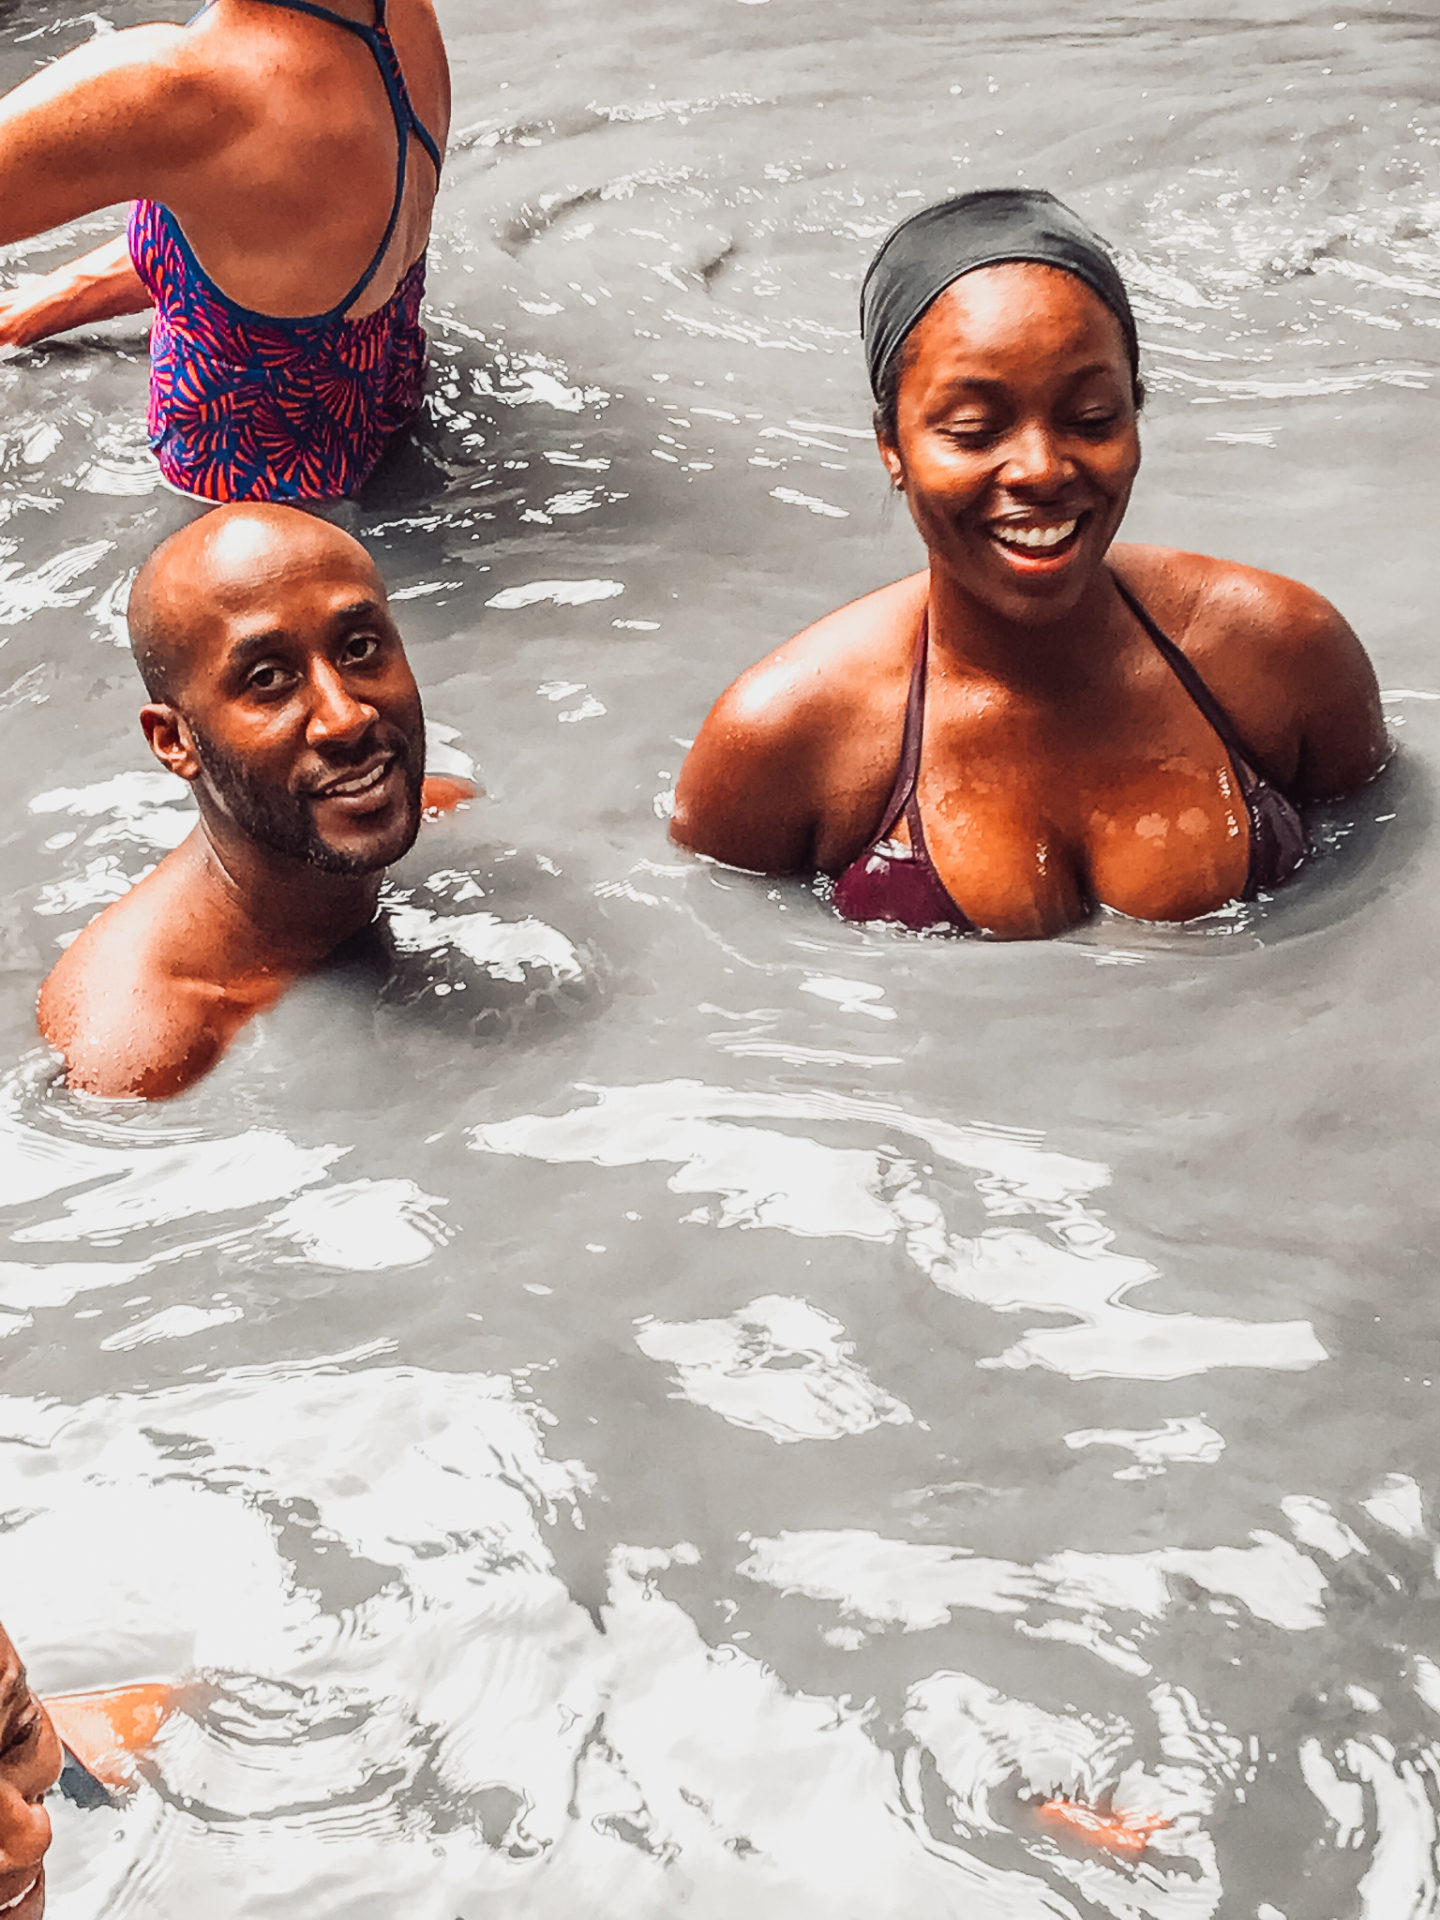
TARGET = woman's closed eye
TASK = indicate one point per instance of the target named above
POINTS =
(973, 432)
(1097, 424)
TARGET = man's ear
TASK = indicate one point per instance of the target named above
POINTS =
(170, 739)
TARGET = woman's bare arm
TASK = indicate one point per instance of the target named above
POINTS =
(99, 286)
(748, 792)
(113, 121)
(1343, 742)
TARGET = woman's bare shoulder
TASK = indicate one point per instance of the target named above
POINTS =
(819, 671)
(1202, 600)
(790, 735)
(1286, 663)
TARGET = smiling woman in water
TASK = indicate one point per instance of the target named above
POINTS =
(1038, 723)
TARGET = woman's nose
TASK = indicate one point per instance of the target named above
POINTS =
(1035, 458)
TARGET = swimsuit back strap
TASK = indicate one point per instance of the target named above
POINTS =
(407, 121)
(907, 775)
(1189, 676)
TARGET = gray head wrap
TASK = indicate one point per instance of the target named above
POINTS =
(933, 249)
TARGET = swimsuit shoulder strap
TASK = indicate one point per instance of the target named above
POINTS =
(407, 121)
(1189, 676)
(902, 794)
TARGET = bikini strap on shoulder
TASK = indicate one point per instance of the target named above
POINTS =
(907, 773)
(1248, 763)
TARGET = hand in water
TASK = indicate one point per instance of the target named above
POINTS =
(19, 323)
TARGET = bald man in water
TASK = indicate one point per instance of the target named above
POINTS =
(280, 693)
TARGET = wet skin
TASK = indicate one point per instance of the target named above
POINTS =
(296, 721)
(30, 1761)
(267, 133)
(1064, 765)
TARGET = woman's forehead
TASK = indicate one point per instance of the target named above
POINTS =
(1017, 316)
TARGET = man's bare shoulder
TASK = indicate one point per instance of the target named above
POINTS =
(126, 1022)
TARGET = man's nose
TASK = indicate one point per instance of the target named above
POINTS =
(336, 717)
(24, 1832)
(1036, 459)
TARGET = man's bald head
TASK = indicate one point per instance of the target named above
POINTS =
(226, 564)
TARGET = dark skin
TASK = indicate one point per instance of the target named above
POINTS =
(30, 1761)
(285, 665)
(267, 133)
(1064, 765)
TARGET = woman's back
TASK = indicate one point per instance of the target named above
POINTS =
(286, 208)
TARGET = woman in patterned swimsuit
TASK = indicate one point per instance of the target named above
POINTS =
(283, 159)
(1039, 723)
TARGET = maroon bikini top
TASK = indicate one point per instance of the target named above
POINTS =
(898, 883)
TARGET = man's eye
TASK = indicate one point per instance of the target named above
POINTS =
(362, 647)
(267, 679)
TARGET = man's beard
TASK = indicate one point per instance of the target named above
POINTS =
(285, 822)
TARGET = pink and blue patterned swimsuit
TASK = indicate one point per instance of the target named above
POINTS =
(248, 406)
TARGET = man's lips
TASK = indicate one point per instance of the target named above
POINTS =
(367, 783)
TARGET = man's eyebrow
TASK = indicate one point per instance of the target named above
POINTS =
(255, 646)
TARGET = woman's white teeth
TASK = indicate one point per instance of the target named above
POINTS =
(1034, 537)
(24, 1894)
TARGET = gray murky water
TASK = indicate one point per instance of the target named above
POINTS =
(665, 1403)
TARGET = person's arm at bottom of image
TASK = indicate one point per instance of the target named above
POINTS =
(100, 285)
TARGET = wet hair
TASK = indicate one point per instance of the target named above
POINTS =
(937, 246)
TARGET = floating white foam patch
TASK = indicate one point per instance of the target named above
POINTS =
(808, 1187)
(914, 1586)
(1315, 1525)
(171, 1323)
(790, 498)
(144, 809)
(1398, 1504)
(149, 1186)
(365, 1226)
(778, 1366)
(513, 950)
(23, 595)
(890, 1582)
(518, 383)
(561, 593)
(851, 996)
(1188, 1440)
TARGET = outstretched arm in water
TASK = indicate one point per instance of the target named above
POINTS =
(121, 117)
(98, 286)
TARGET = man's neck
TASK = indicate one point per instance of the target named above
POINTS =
(261, 911)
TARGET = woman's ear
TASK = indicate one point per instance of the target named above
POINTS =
(170, 740)
(894, 465)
